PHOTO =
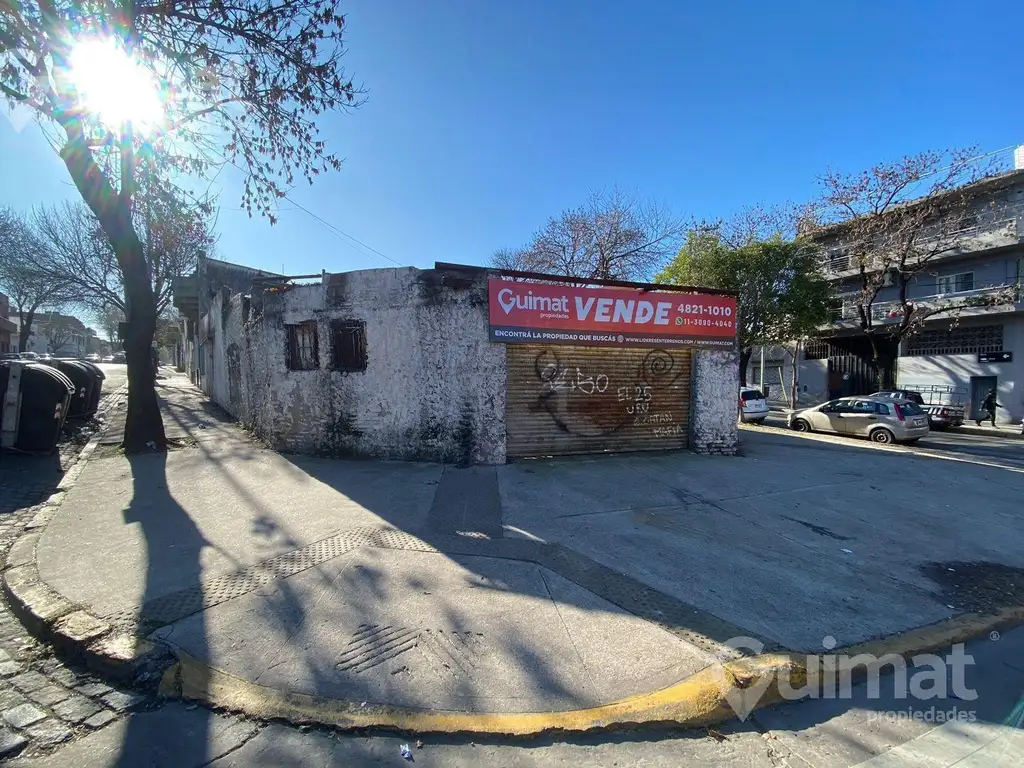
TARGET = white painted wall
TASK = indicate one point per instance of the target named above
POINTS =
(714, 406)
(957, 370)
(434, 387)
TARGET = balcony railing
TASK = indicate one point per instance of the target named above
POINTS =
(981, 237)
(882, 311)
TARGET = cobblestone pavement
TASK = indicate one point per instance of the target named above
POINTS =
(43, 701)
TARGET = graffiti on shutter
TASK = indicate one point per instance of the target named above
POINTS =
(575, 399)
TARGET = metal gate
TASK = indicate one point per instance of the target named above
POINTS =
(850, 375)
(568, 399)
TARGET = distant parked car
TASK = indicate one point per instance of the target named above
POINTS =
(29, 356)
(120, 358)
(46, 356)
(753, 405)
(107, 359)
(880, 419)
(93, 358)
(10, 356)
(942, 409)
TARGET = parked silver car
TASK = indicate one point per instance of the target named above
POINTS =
(880, 419)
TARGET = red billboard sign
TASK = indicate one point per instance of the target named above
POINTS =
(547, 313)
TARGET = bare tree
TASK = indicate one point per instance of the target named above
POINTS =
(241, 83)
(78, 254)
(889, 225)
(109, 318)
(59, 329)
(613, 236)
(754, 224)
(21, 276)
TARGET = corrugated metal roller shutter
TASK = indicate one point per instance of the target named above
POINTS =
(567, 399)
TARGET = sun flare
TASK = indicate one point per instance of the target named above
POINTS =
(115, 87)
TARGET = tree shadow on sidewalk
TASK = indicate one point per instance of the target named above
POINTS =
(174, 546)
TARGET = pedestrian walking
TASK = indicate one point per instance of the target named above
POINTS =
(989, 406)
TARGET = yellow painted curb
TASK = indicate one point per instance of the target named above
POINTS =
(704, 698)
(958, 629)
(697, 700)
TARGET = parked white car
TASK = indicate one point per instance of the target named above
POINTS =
(753, 405)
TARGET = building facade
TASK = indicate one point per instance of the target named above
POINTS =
(962, 354)
(398, 364)
(8, 329)
(56, 334)
(193, 297)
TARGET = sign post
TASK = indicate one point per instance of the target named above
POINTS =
(548, 313)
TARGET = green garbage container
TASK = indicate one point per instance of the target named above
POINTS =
(45, 397)
(98, 377)
(84, 382)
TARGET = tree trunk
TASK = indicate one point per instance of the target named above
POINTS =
(782, 383)
(876, 361)
(745, 355)
(144, 428)
(25, 331)
(794, 384)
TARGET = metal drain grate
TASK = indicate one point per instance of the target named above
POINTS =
(372, 644)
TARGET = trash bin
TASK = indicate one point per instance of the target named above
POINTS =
(85, 383)
(45, 396)
(99, 377)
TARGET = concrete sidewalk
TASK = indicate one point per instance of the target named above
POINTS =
(538, 587)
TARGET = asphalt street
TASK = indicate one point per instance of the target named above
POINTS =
(857, 729)
(1006, 451)
(117, 376)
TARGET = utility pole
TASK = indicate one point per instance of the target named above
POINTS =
(761, 379)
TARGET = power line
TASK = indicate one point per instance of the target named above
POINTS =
(340, 232)
(336, 231)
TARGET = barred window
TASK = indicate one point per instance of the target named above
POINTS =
(964, 340)
(303, 351)
(958, 283)
(348, 345)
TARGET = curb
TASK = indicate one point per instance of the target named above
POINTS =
(1016, 432)
(51, 617)
(698, 700)
(726, 691)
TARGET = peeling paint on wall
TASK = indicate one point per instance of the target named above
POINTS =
(714, 402)
(433, 388)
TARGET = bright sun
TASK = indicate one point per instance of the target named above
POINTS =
(115, 87)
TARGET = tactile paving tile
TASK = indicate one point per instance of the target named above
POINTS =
(687, 622)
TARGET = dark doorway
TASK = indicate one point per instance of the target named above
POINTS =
(980, 387)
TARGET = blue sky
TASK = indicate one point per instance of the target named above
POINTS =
(485, 117)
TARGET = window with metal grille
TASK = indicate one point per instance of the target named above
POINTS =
(303, 351)
(348, 345)
(959, 283)
(965, 340)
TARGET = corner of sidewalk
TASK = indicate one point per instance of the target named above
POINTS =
(51, 617)
(720, 692)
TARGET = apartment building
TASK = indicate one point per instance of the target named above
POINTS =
(964, 353)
